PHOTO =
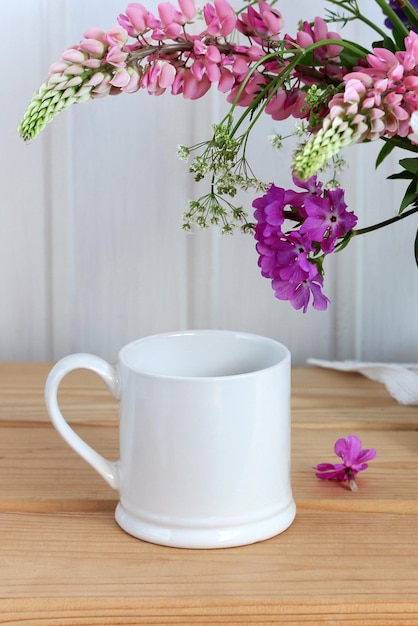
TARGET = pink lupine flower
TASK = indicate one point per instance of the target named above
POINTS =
(169, 14)
(327, 54)
(72, 55)
(227, 17)
(386, 63)
(272, 18)
(220, 18)
(186, 83)
(287, 103)
(309, 35)
(188, 8)
(127, 80)
(353, 461)
(262, 24)
(116, 57)
(250, 91)
(92, 36)
(134, 22)
(96, 79)
(226, 80)
(409, 57)
(378, 100)
(158, 77)
(117, 36)
(208, 62)
(104, 88)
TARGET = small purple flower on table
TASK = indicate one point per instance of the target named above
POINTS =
(353, 461)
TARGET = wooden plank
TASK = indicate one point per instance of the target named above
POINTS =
(115, 611)
(39, 472)
(349, 558)
(83, 396)
(332, 556)
(321, 399)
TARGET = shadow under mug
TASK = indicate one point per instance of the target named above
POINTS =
(204, 436)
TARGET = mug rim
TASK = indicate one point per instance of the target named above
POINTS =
(123, 359)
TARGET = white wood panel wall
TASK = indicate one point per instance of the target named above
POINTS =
(92, 254)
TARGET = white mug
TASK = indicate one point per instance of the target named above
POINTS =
(204, 437)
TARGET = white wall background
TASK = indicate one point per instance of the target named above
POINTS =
(91, 250)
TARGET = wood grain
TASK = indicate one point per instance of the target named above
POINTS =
(349, 558)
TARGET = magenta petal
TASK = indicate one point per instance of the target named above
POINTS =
(366, 455)
(328, 471)
(324, 467)
(353, 457)
(348, 449)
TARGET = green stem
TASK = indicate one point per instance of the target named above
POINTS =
(401, 142)
(411, 14)
(359, 16)
(392, 220)
(280, 78)
(373, 26)
(398, 24)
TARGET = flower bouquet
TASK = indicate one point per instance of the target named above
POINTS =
(339, 92)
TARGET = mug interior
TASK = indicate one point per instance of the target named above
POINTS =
(207, 353)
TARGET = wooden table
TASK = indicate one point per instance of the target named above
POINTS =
(349, 558)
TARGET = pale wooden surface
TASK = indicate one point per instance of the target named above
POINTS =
(349, 558)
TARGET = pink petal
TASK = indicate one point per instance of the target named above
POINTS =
(166, 11)
(120, 79)
(136, 14)
(226, 81)
(188, 8)
(227, 16)
(348, 449)
(74, 56)
(167, 75)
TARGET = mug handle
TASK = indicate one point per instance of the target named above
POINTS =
(107, 469)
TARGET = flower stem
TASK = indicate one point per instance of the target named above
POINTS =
(400, 27)
(410, 12)
(392, 220)
(352, 484)
(351, 479)
(268, 90)
(358, 16)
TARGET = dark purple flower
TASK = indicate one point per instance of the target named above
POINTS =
(327, 219)
(353, 461)
(292, 251)
(299, 293)
(285, 257)
(269, 208)
(397, 5)
(297, 199)
(266, 259)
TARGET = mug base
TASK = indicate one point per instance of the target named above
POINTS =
(228, 534)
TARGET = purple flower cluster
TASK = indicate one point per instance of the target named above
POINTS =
(398, 6)
(292, 258)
